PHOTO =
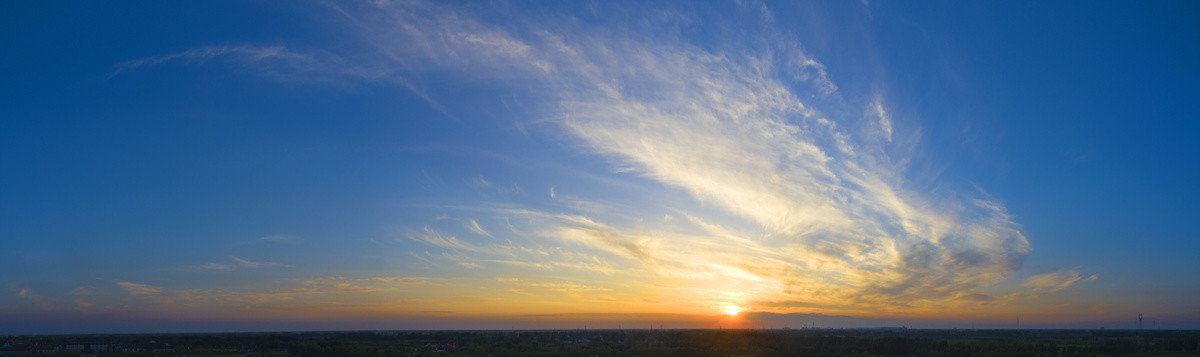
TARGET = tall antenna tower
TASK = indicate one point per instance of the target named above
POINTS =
(1139, 321)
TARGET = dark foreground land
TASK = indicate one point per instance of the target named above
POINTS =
(808, 342)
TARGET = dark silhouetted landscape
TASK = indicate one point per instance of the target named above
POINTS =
(806, 342)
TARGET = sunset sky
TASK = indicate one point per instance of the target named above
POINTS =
(277, 165)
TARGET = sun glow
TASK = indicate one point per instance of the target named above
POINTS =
(732, 310)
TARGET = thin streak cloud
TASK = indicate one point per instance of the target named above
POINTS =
(474, 227)
(140, 289)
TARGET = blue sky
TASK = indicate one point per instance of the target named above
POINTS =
(189, 166)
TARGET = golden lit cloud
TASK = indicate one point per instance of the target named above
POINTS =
(821, 215)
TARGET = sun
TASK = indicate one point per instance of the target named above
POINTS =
(732, 310)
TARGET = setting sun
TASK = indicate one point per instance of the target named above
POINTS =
(732, 310)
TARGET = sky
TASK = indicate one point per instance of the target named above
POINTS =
(262, 166)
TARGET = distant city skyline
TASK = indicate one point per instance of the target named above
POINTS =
(376, 165)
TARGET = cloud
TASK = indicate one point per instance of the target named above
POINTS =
(1056, 281)
(244, 53)
(140, 289)
(239, 263)
(481, 183)
(743, 129)
(470, 265)
(474, 227)
(620, 244)
(882, 118)
(215, 266)
(319, 296)
(814, 210)
(253, 264)
(284, 64)
(565, 287)
(277, 61)
(42, 302)
(433, 237)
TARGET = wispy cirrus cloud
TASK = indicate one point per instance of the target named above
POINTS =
(745, 129)
(472, 225)
(215, 266)
(140, 289)
(241, 263)
(320, 296)
(255, 264)
(430, 236)
(797, 205)
(275, 60)
(284, 64)
(481, 183)
(1056, 281)
(243, 52)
